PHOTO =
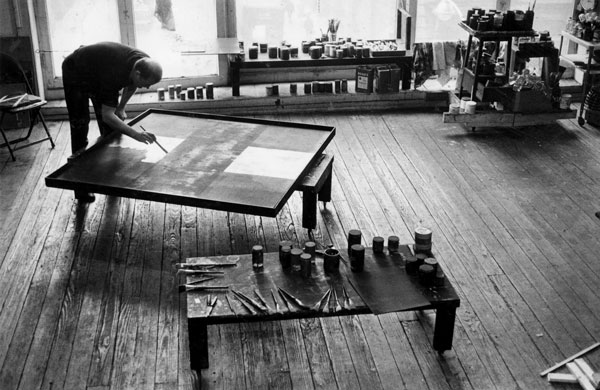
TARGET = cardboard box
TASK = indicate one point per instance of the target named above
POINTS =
(525, 101)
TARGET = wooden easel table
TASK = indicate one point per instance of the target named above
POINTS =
(246, 279)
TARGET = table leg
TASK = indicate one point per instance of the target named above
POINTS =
(234, 67)
(309, 209)
(198, 341)
(325, 191)
(443, 333)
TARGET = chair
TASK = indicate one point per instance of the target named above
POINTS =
(22, 101)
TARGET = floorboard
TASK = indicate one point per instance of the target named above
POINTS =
(89, 298)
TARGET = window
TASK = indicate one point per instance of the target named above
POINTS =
(165, 29)
(437, 20)
(294, 21)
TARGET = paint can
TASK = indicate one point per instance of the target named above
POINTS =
(209, 90)
(295, 256)
(422, 240)
(285, 256)
(440, 277)
(269, 90)
(161, 93)
(421, 258)
(354, 237)
(305, 46)
(263, 47)
(307, 88)
(285, 53)
(470, 107)
(463, 104)
(339, 53)
(357, 258)
(275, 90)
(305, 265)
(171, 89)
(182, 95)
(378, 244)
(331, 260)
(283, 243)
(338, 86)
(315, 52)
(200, 92)
(412, 265)
(177, 89)
(311, 248)
(393, 244)
(432, 262)
(454, 108)
(315, 87)
(191, 93)
(293, 89)
(253, 52)
(426, 275)
(257, 256)
(344, 85)
(272, 50)
(294, 52)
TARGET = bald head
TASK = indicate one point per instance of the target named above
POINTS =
(149, 70)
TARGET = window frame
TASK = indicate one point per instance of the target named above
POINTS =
(53, 85)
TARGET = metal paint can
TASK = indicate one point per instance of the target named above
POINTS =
(275, 90)
(283, 243)
(263, 47)
(209, 90)
(253, 52)
(354, 237)
(177, 89)
(272, 50)
(293, 89)
(331, 260)
(285, 53)
(338, 86)
(307, 88)
(295, 256)
(285, 256)
(393, 244)
(199, 92)
(161, 93)
(305, 265)
(423, 240)
(378, 244)
(182, 95)
(269, 90)
(357, 258)
(426, 274)
(344, 85)
(257, 256)
(191, 93)
(311, 248)
(432, 262)
(412, 265)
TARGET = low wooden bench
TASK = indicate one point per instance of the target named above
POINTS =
(245, 279)
(316, 186)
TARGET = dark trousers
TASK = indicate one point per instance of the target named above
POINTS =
(77, 97)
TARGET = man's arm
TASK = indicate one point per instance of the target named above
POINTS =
(128, 92)
(110, 117)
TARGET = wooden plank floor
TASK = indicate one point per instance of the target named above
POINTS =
(88, 296)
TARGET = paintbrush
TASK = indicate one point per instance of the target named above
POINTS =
(193, 287)
(319, 305)
(294, 299)
(276, 303)
(156, 141)
(251, 301)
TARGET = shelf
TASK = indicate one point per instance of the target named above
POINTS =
(496, 35)
(508, 119)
